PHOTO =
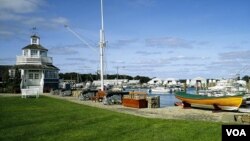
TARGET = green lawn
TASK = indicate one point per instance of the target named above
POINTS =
(57, 120)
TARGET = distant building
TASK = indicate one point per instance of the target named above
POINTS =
(198, 82)
(37, 69)
(133, 82)
(155, 81)
(170, 82)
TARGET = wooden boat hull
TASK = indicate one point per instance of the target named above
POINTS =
(229, 103)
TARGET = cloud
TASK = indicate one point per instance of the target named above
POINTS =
(5, 33)
(85, 60)
(76, 59)
(243, 55)
(172, 42)
(142, 3)
(20, 6)
(152, 62)
(78, 64)
(6, 16)
(59, 21)
(202, 43)
(15, 16)
(63, 51)
(225, 63)
(224, 68)
(44, 22)
(191, 64)
(118, 62)
(123, 42)
(188, 58)
(162, 62)
(148, 53)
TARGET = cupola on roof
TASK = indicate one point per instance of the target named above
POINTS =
(35, 43)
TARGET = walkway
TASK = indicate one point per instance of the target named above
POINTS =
(171, 112)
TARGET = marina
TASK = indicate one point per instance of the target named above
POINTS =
(150, 70)
(166, 99)
(170, 107)
(37, 75)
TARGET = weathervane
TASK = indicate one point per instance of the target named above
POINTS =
(34, 30)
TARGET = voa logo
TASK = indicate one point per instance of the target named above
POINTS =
(236, 132)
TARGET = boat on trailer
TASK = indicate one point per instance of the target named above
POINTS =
(227, 102)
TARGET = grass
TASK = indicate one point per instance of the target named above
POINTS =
(53, 119)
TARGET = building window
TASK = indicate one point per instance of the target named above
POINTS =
(34, 53)
(34, 40)
(30, 75)
(36, 76)
(43, 53)
(25, 52)
(51, 74)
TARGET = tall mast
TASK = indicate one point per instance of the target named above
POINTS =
(102, 45)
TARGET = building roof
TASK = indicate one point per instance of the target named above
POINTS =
(35, 36)
(48, 67)
(34, 46)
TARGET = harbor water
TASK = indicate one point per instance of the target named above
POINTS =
(166, 99)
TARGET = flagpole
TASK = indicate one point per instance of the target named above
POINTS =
(102, 45)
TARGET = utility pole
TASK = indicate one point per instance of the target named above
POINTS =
(117, 74)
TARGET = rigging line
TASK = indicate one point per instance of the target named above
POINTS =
(80, 38)
(243, 69)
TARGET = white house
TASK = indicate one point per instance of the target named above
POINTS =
(170, 82)
(198, 82)
(37, 69)
(155, 81)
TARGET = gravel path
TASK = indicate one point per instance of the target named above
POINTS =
(170, 112)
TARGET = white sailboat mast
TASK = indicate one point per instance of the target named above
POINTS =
(102, 45)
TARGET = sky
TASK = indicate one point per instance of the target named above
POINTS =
(156, 38)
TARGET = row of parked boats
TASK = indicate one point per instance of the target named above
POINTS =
(229, 94)
(163, 89)
(226, 95)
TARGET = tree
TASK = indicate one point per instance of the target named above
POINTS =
(92, 77)
(16, 81)
(143, 79)
(5, 80)
(246, 78)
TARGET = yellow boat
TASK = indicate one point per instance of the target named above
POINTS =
(230, 103)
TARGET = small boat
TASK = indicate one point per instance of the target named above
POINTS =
(230, 103)
(159, 90)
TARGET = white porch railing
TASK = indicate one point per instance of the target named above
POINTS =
(30, 92)
(33, 60)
